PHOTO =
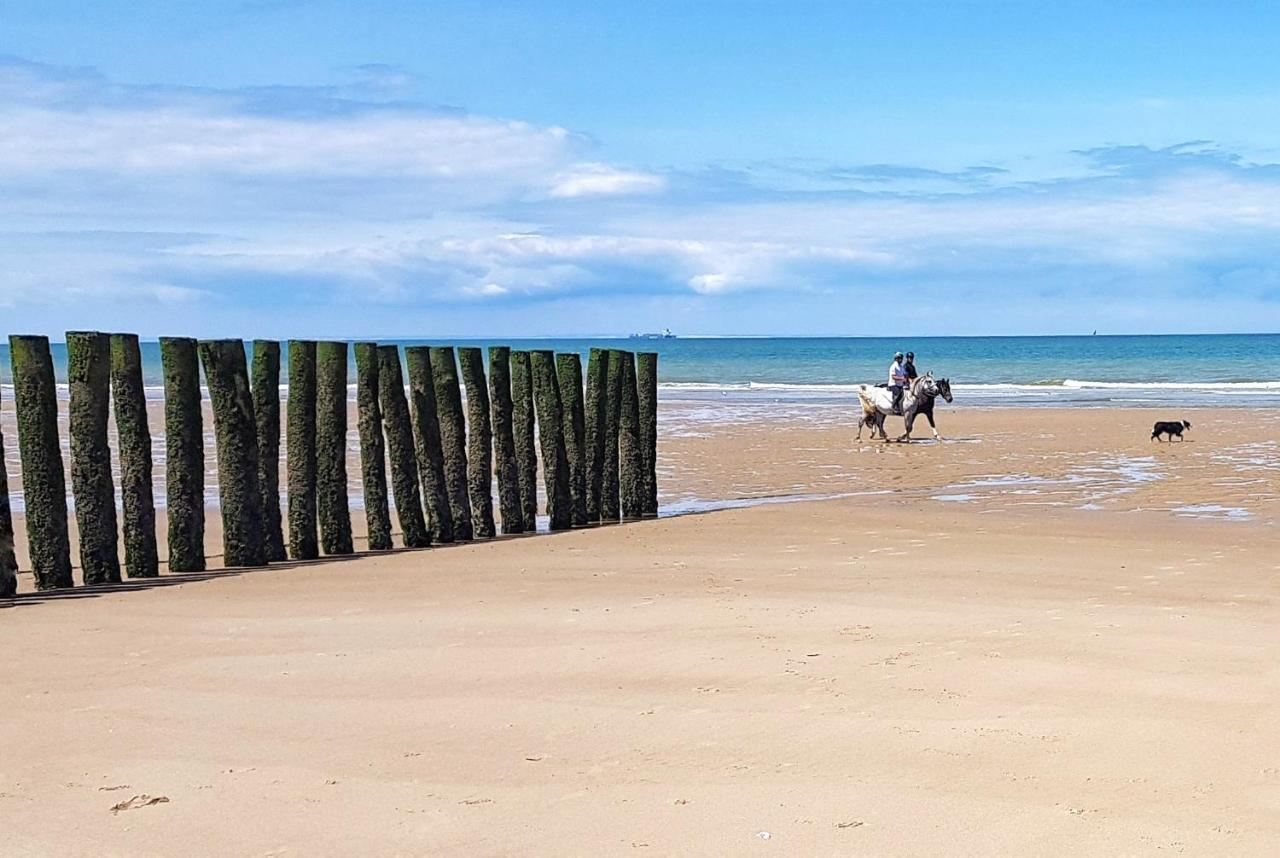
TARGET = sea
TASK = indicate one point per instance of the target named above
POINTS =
(1078, 371)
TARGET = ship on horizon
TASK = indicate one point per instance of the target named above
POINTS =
(665, 335)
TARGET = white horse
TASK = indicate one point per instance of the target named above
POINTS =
(877, 404)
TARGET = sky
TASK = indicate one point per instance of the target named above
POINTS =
(427, 169)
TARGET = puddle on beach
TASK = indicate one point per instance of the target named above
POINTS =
(1213, 511)
(691, 505)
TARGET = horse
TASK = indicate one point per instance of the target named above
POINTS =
(877, 403)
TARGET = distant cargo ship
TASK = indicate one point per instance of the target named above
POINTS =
(665, 335)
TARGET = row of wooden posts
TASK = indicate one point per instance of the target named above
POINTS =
(598, 448)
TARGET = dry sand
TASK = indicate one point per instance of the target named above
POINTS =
(879, 674)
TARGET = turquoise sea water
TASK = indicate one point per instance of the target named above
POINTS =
(1226, 369)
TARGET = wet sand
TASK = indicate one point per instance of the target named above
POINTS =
(878, 673)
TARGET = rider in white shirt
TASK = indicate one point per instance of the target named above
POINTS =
(897, 380)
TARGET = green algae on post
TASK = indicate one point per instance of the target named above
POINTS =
(504, 443)
(647, 384)
(479, 442)
(426, 434)
(331, 448)
(609, 507)
(236, 434)
(301, 450)
(595, 418)
(569, 378)
(89, 377)
(184, 453)
(373, 453)
(44, 487)
(522, 420)
(141, 557)
(630, 456)
(400, 449)
(265, 382)
(453, 437)
(555, 465)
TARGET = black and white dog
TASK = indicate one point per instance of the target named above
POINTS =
(1169, 428)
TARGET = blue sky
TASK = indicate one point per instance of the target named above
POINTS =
(435, 169)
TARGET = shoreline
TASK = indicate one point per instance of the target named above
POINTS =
(1002, 462)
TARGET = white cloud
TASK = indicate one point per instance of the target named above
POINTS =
(601, 179)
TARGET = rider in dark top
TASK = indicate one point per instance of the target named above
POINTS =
(910, 368)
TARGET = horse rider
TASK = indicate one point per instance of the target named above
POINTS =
(897, 378)
(909, 366)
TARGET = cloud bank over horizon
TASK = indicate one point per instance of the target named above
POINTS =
(362, 210)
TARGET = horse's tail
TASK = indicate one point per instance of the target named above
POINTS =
(868, 407)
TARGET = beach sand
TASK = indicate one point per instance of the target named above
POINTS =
(1071, 652)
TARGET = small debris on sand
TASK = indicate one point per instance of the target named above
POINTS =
(137, 801)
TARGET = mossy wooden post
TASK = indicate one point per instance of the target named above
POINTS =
(184, 453)
(610, 510)
(8, 559)
(400, 449)
(141, 557)
(555, 464)
(453, 437)
(89, 377)
(596, 415)
(373, 450)
(44, 487)
(331, 448)
(479, 442)
(266, 411)
(522, 421)
(301, 450)
(647, 389)
(236, 434)
(426, 435)
(504, 443)
(569, 377)
(630, 455)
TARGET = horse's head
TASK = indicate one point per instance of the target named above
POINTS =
(944, 388)
(926, 387)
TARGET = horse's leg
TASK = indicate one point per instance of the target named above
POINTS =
(932, 425)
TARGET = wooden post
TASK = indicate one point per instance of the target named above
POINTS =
(630, 455)
(44, 487)
(504, 440)
(301, 452)
(426, 435)
(400, 449)
(610, 510)
(522, 414)
(479, 441)
(331, 448)
(453, 437)
(236, 434)
(569, 378)
(8, 559)
(184, 453)
(596, 420)
(555, 464)
(89, 377)
(266, 412)
(141, 557)
(373, 452)
(647, 384)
